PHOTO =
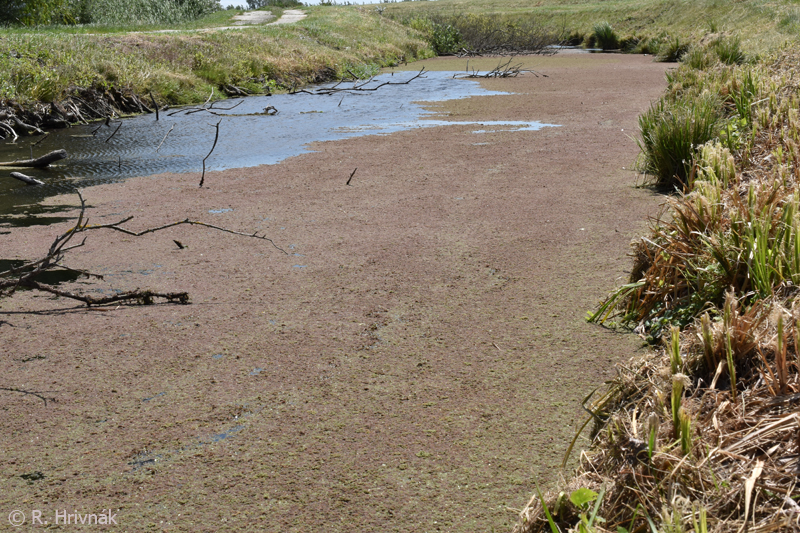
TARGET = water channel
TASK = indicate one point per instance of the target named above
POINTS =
(248, 136)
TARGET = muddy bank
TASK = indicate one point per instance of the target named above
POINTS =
(413, 364)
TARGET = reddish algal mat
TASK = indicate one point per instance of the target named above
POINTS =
(414, 362)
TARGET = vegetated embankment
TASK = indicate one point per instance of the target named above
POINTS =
(53, 78)
(702, 433)
(641, 25)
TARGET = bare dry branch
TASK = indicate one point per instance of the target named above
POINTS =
(216, 138)
(25, 275)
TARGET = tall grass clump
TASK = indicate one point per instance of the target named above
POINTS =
(604, 37)
(729, 50)
(672, 50)
(671, 133)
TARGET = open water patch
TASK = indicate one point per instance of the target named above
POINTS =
(249, 134)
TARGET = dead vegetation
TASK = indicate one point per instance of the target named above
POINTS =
(703, 433)
(502, 70)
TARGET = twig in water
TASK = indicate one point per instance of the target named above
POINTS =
(154, 105)
(115, 131)
(46, 134)
(351, 176)
(216, 138)
(165, 138)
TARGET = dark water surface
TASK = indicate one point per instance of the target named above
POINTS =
(247, 137)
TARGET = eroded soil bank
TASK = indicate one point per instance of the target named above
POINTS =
(413, 364)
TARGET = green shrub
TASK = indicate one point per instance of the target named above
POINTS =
(670, 134)
(484, 33)
(444, 38)
(111, 12)
(604, 36)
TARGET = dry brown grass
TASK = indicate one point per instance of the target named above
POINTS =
(703, 434)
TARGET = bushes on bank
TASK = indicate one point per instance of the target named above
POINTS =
(109, 12)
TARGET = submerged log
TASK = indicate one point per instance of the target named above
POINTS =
(39, 162)
(27, 179)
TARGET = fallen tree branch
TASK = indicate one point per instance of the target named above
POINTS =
(39, 162)
(358, 88)
(28, 392)
(117, 227)
(502, 70)
(8, 129)
(25, 275)
(26, 179)
(146, 297)
(27, 128)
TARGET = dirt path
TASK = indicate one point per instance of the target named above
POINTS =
(414, 364)
(289, 16)
(246, 20)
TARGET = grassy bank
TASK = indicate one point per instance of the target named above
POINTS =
(700, 434)
(179, 68)
(761, 25)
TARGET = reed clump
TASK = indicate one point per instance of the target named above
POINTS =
(484, 33)
(701, 433)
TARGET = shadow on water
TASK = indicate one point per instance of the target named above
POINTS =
(248, 136)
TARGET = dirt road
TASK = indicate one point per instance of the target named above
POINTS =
(414, 363)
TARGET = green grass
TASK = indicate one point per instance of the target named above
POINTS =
(671, 132)
(603, 36)
(182, 68)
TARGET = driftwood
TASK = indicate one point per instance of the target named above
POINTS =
(39, 162)
(9, 130)
(27, 128)
(27, 179)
